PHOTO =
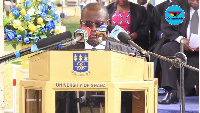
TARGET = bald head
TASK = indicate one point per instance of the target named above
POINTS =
(95, 8)
(93, 16)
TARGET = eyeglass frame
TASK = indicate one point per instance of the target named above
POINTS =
(193, 0)
(92, 23)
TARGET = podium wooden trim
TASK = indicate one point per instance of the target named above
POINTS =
(52, 71)
(112, 66)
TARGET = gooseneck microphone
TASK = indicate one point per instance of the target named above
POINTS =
(115, 30)
(110, 28)
(103, 32)
(120, 34)
(40, 45)
(125, 38)
(80, 35)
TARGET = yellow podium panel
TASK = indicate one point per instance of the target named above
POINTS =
(89, 66)
(56, 74)
(112, 94)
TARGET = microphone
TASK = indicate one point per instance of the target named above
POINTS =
(41, 44)
(82, 34)
(125, 38)
(102, 32)
(120, 34)
(115, 30)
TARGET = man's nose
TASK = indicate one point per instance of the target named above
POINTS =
(93, 27)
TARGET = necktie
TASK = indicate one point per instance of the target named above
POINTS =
(194, 23)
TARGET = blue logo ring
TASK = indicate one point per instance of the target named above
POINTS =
(174, 15)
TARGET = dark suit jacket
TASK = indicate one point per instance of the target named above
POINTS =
(151, 25)
(139, 22)
(156, 16)
(149, 7)
(174, 31)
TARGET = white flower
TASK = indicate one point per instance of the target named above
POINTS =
(16, 23)
(31, 11)
(60, 29)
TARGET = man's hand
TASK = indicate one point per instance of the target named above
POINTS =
(185, 41)
(196, 49)
(133, 35)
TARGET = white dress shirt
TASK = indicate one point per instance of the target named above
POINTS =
(188, 28)
(145, 5)
(100, 46)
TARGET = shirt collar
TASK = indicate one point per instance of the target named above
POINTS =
(192, 12)
(100, 46)
(145, 5)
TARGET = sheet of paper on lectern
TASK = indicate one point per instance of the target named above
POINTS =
(194, 41)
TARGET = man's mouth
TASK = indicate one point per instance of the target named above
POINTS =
(93, 41)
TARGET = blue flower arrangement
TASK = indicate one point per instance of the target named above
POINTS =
(31, 21)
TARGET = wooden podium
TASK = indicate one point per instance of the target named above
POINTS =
(107, 71)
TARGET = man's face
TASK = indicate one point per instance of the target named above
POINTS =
(93, 20)
(122, 2)
(142, 2)
(194, 4)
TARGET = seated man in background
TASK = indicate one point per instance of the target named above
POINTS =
(174, 34)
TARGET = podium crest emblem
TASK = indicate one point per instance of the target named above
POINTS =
(80, 62)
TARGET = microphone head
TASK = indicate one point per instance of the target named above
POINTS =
(88, 30)
(123, 37)
(53, 39)
(110, 28)
(84, 32)
(102, 32)
(102, 28)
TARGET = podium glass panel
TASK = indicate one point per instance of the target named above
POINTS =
(33, 101)
(80, 101)
(132, 101)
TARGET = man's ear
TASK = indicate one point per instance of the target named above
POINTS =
(80, 23)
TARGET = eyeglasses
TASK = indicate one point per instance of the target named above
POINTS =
(89, 23)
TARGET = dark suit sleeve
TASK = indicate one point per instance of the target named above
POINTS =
(156, 17)
(143, 28)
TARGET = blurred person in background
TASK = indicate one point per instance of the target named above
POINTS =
(174, 34)
(132, 18)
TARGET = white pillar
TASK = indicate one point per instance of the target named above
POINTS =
(2, 104)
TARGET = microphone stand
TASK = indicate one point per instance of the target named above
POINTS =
(183, 60)
(179, 61)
